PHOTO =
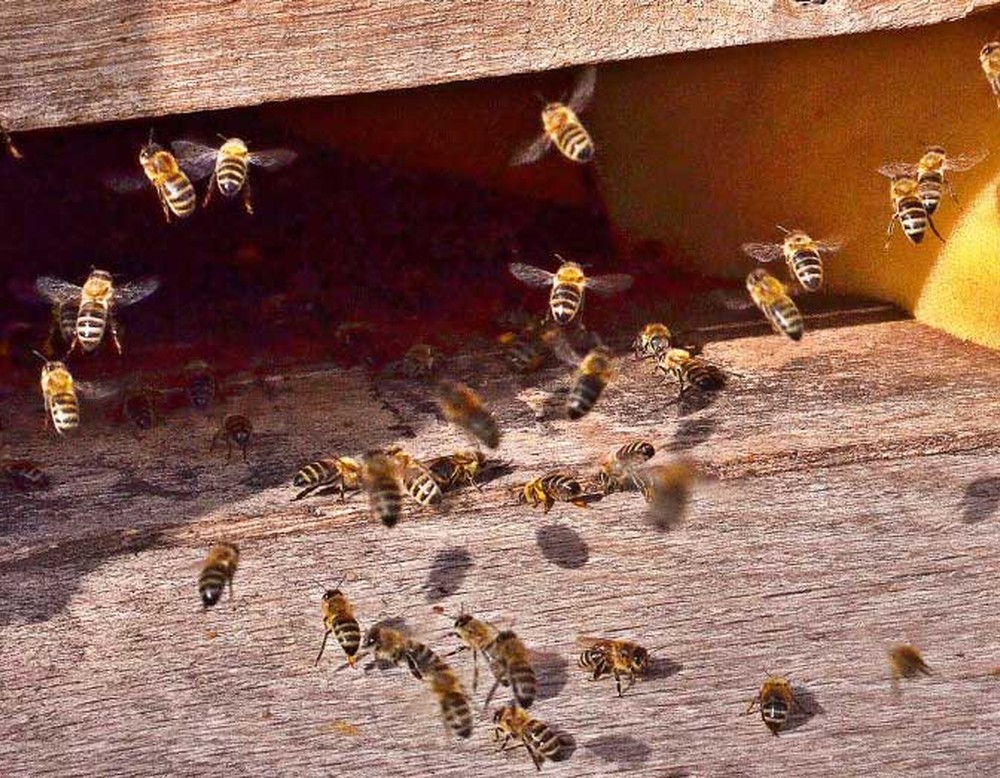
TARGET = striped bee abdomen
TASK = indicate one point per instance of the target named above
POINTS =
(562, 486)
(565, 302)
(929, 187)
(913, 218)
(574, 141)
(523, 683)
(322, 471)
(774, 711)
(65, 411)
(179, 194)
(457, 713)
(218, 571)
(584, 396)
(230, 174)
(594, 659)
(91, 321)
(785, 318)
(543, 741)
(423, 488)
(386, 501)
(348, 635)
(807, 266)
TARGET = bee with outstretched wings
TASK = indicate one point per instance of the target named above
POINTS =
(561, 126)
(568, 284)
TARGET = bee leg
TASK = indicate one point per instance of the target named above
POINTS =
(618, 683)
(751, 706)
(489, 696)
(208, 191)
(247, 203)
(934, 229)
(888, 232)
(536, 759)
(245, 453)
(322, 647)
(475, 669)
(229, 450)
(113, 327)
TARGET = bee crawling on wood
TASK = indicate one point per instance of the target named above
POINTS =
(690, 372)
(549, 489)
(618, 471)
(458, 469)
(653, 341)
(338, 619)
(343, 473)
(620, 658)
(236, 430)
(218, 571)
(774, 700)
(539, 739)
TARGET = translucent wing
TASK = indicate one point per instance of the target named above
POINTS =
(197, 159)
(585, 641)
(272, 159)
(830, 245)
(124, 183)
(583, 89)
(134, 291)
(965, 161)
(56, 290)
(895, 169)
(609, 284)
(531, 152)
(763, 252)
(563, 350)
(531, 275)
(95, 390)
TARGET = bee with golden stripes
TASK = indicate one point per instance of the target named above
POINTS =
(591, 378)
(569, 284)
(236, 430)
(510, 664)
(229, 165)
(418, 480)
(906, 661)
(774, 700)
(989, 59)
(539, 739)
(931, 173)
(455, 708)
(620, 658)
(343, 473)
(561, 127)
(173, 188)
(98, 300)
(380, 479)
(653, 341)
(218, 572)
(476, 636)
(338, 619)
(8, 142)
(456, 469)
(690, 372)
(548, 489)
(393, 646)
(908, 208)
(771, 296)
(24, 475)
(59, 394)
(462, 406)
(667, 489)
(802, 254)
(618, 471)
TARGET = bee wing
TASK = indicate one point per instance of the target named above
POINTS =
(763, 252)
(134, 291)
(531, 275)
(609, 284)
(124, 183)
(585, 641)
(95, 390)
(56, 290)
(894, 169)
(272, 159)
(965, 161)
(561, 347)
(830, 245)
(531, 152)
(583, 89)
(197, 159)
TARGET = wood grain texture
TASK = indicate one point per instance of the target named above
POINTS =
(85, 61)
(856, 506)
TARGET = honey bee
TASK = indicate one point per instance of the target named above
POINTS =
(218, 571)
(417, 478)
(540, 741)
(930, 172)
(652, 342)
(24, 475)
(592, 376)
(63, 325)
(229, 164)
(393, 646)
(98, 299)
(462, 406)
(775, 700)
(527, 349)
(908, 208)
(618, 470)
(380, 478)
(477, 636)
(511, 666)
(8, 142)
(690, 371)
(59, 394)
(236, 429)
(667, 489)
(802, 254)
(771, 296)
(561, 126)
(173, 188)
(338, 618)
(462, 466)
(568, 286)
(421, 360)
(547, 489)
(342, 472)
(621, 658)
(139, 408)
(202, 386)
(989, 58)
(907, 662)
(455, 708)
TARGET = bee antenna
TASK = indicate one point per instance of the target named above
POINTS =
(221, 136)
(41, 356)
(150, 136)
(784, 230)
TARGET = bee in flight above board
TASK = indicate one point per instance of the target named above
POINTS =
(229, 165)
(907, 207)
(772, 298)
(172, 186)
(561, 127)
(802, 254)
(568, 284)
(989, 59)
(931, 173)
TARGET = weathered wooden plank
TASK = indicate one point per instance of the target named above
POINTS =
(87, 61)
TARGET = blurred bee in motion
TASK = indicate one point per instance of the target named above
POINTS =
(462, 406)
(527, 349)
(802, 254)
(421, 360)
(229, 165)
(343, 473)
(591, 378)
(201, 386)
(218, 572)
(618, 471)
(63, 326)
(930, 172)
(418, 480)
(620, 658)
(561, 126)
(236, 430)
(139, 408)
(8, 142)
(667, 489)
(906, 661)
(568, 286)
(548, 489)
(540, 741)
(652, 342)
(771, 296)
(455, 708)
(98, 299)
(393, 646)
(989, 58)
(456, 469)
(908, 208)
(690, 371)
(380, 478)
(775, 700)
(510, 664)
(338, 619)
(24, 475)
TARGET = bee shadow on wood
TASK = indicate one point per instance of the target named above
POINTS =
(627, 752)
(693, 401)
(448, 571)
(806, 706)
(661, 667)
(552, 670)
(562, 546)
(492, 470)
(692, 432)
(981, 499)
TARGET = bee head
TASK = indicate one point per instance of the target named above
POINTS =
(988, 49)
(639, 660)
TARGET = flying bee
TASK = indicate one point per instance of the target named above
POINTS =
(775, 700)
(771, 296)
(667, 489)
(690, 371)
(540, 741)
(421, 360)
(930, 172)
(341, 472)
(476, 635)
(510, 664)
(218, 571)
(8, 142)
(462, 406)
(455, 708)
(236, 430)
(908, 208)
(393, 646)
(592, 376)
(620, 658)
(63, 326)
(417, 478)
(989, 58)
(907, 662)
(652, 342)
(561, 126)
(802, 254)
(24, 475)
(229, 165)
(454, 469)
(338, 618)
(59, 395)
(173, 188)
(618, 470)
(380, 478)
(98, 300)
(528, 348)
(568, 284)
(550, 488)
(201, 386)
